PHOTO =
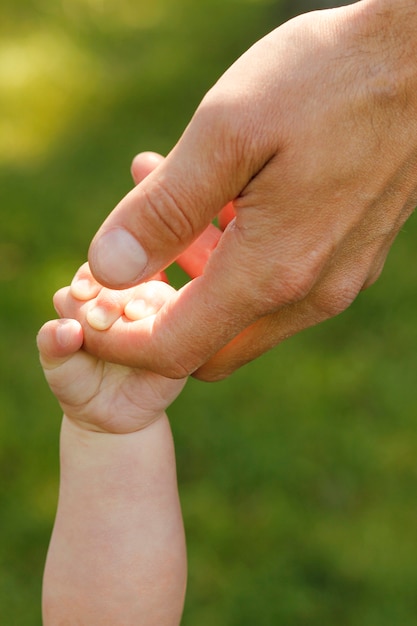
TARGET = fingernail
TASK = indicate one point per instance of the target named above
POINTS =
(118, 258)
(99, 318)
(138, 309)
(64, 333)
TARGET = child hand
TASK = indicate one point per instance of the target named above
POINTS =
(103, 314)
(97, 394)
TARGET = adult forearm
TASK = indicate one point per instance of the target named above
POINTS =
(117, 553)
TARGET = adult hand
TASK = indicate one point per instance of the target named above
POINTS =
(312, 134)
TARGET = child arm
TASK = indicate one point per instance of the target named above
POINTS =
(117, 552)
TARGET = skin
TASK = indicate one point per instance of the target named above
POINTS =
(117, 553)
(312, 136)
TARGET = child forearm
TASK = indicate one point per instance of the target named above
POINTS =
(117, 552)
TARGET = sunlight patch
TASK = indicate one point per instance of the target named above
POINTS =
(44, 81)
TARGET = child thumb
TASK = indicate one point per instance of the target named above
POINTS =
(57, 341)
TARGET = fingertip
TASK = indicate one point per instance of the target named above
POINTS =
(143, 164)
(83, 285)
(117, 259)
(100, 318)
(41, 336)
(57, 340)
(138, 309)
(148, 299)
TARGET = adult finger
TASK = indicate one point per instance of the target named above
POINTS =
(284, 104)
(121, 342)
(194, 258)
(226, 215)
(173, 204)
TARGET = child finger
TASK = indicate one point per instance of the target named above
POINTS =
(65, 304)
(84, 286)
(147, 299)
(59, 299)
(107, 307)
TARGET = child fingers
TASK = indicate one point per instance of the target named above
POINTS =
(101, 312)
(69, 307)
(103, 309)
(135, 303)
(107, 307)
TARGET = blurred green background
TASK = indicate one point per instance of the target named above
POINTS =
(298, 475)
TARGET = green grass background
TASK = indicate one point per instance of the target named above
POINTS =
(298, 475)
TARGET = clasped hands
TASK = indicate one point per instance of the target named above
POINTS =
(306, 151)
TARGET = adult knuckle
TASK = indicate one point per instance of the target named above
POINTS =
(234, 128)
(267, 287)
(170, 213)
(173, 369)
(292, 284)
(331, 305)
(300, 282)
(172, 362)
(332, 301)
(370, 281)
(373, 277)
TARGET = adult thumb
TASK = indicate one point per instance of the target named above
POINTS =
(171, 206)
